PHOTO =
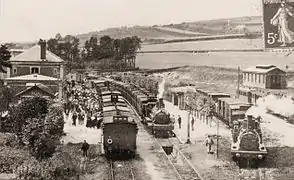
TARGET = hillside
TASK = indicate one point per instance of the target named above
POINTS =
(181, 31)
(160, 33)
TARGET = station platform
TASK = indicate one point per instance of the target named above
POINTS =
(201, 128)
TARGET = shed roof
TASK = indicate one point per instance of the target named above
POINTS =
(33, 55)
(40, 86)
(262, 69)
(36, 77)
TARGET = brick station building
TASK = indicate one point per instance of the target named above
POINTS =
(36, 71)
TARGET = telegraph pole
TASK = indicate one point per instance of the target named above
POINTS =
(238, 86)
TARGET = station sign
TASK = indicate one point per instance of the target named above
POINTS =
(278, 23)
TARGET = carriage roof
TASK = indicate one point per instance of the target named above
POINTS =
(110, 92)
(108, 99)
(115, 108)
(122, 104)
(119, 119)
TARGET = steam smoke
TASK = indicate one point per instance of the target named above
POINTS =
(283, 106)
(161, 89)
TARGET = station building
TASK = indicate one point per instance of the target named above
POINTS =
(262, 80)
(264, 76)
(36, 71)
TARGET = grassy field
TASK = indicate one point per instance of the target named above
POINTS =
(222, 59)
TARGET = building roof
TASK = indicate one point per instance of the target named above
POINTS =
(30, 77)
(262, 69)
(183, 89)
(212, 93)
(33, 55)
(232, 101)
(39, 86)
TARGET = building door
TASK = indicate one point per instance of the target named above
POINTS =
(176, 100)
(275, 82)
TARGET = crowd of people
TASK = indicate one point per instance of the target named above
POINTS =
(85, 105)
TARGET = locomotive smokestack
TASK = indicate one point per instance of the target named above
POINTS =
(250, 122)
(160, 103)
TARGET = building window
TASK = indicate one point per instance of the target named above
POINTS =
(259, 78)
(35, 70)
(55, 71)
(14, 70)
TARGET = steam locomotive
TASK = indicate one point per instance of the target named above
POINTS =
(159, 121)
(150, 109)
(247, 142)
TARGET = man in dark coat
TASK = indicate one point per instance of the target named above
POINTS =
(74, 118)
(179, 121)
(85, 148)
(192, 123)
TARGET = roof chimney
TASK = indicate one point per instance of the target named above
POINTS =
(42, 43)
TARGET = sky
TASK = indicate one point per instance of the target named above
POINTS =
(29, 20)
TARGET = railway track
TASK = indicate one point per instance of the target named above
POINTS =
(250, 174)
(121, 170)
(182, 164)
(182, 167)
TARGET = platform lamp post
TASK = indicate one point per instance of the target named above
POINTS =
(188, 125)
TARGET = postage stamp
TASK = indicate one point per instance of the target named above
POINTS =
(278, 20)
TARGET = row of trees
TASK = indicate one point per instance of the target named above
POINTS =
(94, 50)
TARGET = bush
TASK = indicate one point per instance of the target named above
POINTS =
(55, 118)
(8, 139)
(10, 158)
(60, 167)
(31, 108)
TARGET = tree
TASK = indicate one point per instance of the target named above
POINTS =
(4, 57)
(200, 102)
(66, 48)
(107, 48)
(6, 96)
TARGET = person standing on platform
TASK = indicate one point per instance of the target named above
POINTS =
(179, 121)
(74, 119)
(85, 148)
(192, 123)
(208, 143)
